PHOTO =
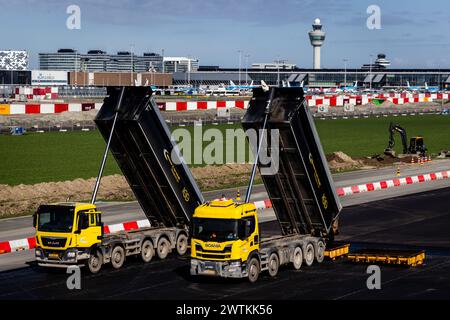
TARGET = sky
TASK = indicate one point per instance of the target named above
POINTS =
(413, 34)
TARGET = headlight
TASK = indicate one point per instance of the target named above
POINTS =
(194, 262)
(235, 264)
(71, 254)
(38, 253)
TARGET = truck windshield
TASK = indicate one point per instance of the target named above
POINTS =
(55, 218)
(215, 229)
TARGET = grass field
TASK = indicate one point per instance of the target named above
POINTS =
(34, 158)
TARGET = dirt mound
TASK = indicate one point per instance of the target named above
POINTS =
(339, 161)
(45, 120)
(25, 198)
(22, 199)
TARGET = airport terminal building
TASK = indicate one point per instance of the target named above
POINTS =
(323, 78)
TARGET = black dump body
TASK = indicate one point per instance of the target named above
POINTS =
(142, 147)
(302, 190)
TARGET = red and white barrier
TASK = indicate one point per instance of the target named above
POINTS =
(392, 183)
(35, 93)
(395, 98)
(202, 105)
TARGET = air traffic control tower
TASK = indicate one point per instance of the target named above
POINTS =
(317, 37)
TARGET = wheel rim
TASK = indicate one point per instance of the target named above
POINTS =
(309, 255)
(273, 266)
(320, 252)
(253, 271)
(182, 244)
(117, 257)
(298, 258)
(146, 250)
(94, 262)
(163, 248)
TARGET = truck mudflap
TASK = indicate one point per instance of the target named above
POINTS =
(225, 269)
(148, 157)
(301, 188)
(61, 259)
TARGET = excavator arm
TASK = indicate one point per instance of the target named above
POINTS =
(392, 129)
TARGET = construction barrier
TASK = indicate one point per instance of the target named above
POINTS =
(324, 102)
(392, 183)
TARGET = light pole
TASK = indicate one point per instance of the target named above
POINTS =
(75, 67)
(189, 70)
(246, 68)
(162, 55)
(345, 72)
(240, 58)
(370, 73)
(132, 66)
(83, 67)
(278, 61)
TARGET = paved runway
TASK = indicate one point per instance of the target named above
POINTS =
(418, 221)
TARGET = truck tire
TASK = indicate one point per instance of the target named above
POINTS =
(95, 261)
(163, 248)
(309, 254)
(147, 251)
(117, 257)
(320, 253)
(273, 264)
(182, 244)
(253, 270)
(297, 258)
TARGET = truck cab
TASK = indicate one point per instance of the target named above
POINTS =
(66, 232)
(225, 236)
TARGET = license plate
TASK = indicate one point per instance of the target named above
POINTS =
(53, 256)
(210, 272)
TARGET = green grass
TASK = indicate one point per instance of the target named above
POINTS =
(34, 158)
(54, 156)
(365, 137)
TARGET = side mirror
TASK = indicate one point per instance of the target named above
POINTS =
(34, 220)
(248, 231)
(82, 219)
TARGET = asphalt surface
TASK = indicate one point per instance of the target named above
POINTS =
(413, 222)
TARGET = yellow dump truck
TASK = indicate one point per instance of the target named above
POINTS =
(226, 240)
(140, 141)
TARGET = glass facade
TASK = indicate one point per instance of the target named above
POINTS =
(97, 60)
(324, 78)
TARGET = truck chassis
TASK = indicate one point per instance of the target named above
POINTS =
(115, 248)
(274, 252)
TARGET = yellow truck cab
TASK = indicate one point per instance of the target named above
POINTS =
(66, 232)
(72, 234)
(225, 235)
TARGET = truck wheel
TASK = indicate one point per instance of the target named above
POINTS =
(309, 254)
(147, 251)
(95, 261)
(274, 264)
(298, 258)
(163, 248)
(117, 257)
(320, 254)
(253, 270)
(182, 244)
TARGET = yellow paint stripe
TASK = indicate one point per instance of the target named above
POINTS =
(4, 109)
